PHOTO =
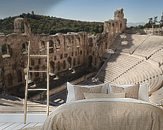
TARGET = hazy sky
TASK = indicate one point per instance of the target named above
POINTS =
(90, 10)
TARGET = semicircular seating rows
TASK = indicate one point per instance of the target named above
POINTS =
(137, 59)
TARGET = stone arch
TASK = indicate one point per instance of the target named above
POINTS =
(52, 66)
(24, 47)
(58, 66)
(74, 62)
(57, 44)
(51, 45)
(42, 45)
(68, 42)
(90, 59)
(27, 27)
(19, 75)
(18, 25)
(64, 64)
(90, 42)
(21, 25)
(113, 25)
(106, 45)
(95, 61)
(6, 50)
(77, 40)
(9, 79)
(69, 59)
(120, 26)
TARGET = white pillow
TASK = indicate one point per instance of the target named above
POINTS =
(144, 92)
(103, 95)
(71, 92)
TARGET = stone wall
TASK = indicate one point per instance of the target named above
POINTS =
(67, 51)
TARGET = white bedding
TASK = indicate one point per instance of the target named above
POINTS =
(106, 114)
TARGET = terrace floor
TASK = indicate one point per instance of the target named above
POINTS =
(12, 114)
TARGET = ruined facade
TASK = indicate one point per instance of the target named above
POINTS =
(69, 51)
(117, 25)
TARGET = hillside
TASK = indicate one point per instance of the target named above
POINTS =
(51, 25)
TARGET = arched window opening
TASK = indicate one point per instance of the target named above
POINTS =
(69, 59)
(58, 66)
(42, 46)
(10, 80)
(57, 44)
(19, 75)
(64, 64)
(6, 51)
(25, 48)
(52, 66)
(90, 59)
(51, 46)
(90, 42)
(74, 62)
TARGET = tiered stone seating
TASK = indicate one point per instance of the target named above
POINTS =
(158, 56)
(117, 65)
(141, 60)
(157, 97)
(143, 72)
(150, 46)
(128, 43)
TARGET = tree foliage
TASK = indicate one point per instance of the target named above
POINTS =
(51, 25)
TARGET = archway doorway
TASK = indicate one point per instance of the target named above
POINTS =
(90, 59)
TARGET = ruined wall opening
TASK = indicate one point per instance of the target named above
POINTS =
(69, 59)
(19, 25)
(74, 62)
(68, 44)
(64, 64)
(42, 46)
(120, 26)
(19, 76)
(32, 62)
(77, 42)
(6, 50)
(24, 47)
(90, 59)
(57, 44)
(58, 66)
(106, 45)
(52, 66)
(51, 46)
(9, 80)
(90, 42)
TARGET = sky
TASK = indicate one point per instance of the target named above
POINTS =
(85, 10)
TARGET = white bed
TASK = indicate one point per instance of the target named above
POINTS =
(106, 114)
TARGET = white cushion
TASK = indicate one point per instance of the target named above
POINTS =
(71, 92)
(103, 95)
(143, 92)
